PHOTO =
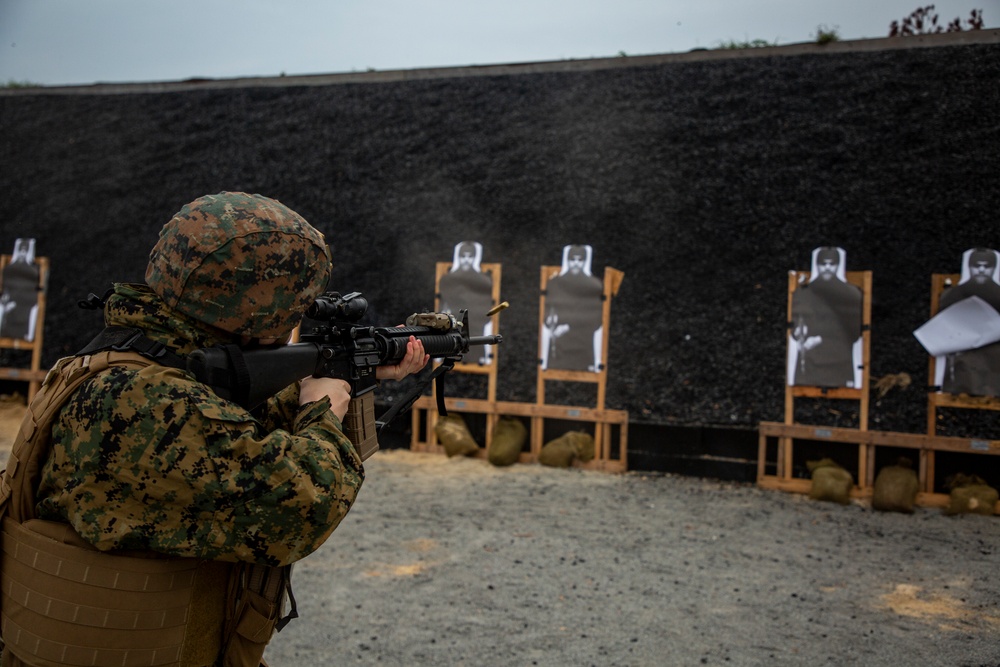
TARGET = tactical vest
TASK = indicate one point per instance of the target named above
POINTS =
(63, 602)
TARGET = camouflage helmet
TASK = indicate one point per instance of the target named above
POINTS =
(242, 263)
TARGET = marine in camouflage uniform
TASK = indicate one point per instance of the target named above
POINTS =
(183, 472)
(150, 460)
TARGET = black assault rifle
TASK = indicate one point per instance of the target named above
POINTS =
(339, 347)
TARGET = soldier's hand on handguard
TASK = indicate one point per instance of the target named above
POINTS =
(314, 389)
(413, 362)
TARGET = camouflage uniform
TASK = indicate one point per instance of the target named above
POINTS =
(143, 458)
(153, 460)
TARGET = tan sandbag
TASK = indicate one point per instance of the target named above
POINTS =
(454, 435)
(970, 494)
(561, 452)
(830, 481)
(896, 488)
(978, 499)
(584, 443)
(557, 454)
(509, 437)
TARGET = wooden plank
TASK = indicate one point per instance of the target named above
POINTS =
(602, 465)
(16, 344)
(481, 453)
(761, 456)
(935, 442)
(812, 432)
(925, 499)
(799, 485)
(515, 409)
(477, 405)
(568, 412)
(22, 374)
(843, 393)
(788, 485)
(943, 400)
(880, 438)
(571, 376)
(473, 368)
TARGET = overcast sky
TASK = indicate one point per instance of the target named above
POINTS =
(54, 42)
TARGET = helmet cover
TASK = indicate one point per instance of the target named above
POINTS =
(239, 262)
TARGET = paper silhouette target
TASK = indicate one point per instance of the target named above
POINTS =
(572, 329)
(467, 287)
(19, 296)
(825, 336)
(964, 336)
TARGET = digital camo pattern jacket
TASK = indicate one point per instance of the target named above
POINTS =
(152, 460)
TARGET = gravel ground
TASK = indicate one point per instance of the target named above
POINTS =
(457, 562)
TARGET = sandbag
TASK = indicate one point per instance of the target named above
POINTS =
(454, 435)
(970, 494)
(896, 488)
(557, 454)
(830, 481)
(571, 446)
(584, 445)
(508, 441)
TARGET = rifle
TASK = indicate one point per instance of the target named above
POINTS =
(339, 347)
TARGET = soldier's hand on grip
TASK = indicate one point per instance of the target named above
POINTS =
(314, 389)
(413, 362)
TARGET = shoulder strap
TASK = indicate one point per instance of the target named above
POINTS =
(31, 445)
(123, 339)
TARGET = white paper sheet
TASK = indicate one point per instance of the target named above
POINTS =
(965, 325)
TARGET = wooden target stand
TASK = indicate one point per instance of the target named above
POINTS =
(610, 454)
(925, 445)
(789, 431)
(34, 374)
(939, 399)
(424, 415)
